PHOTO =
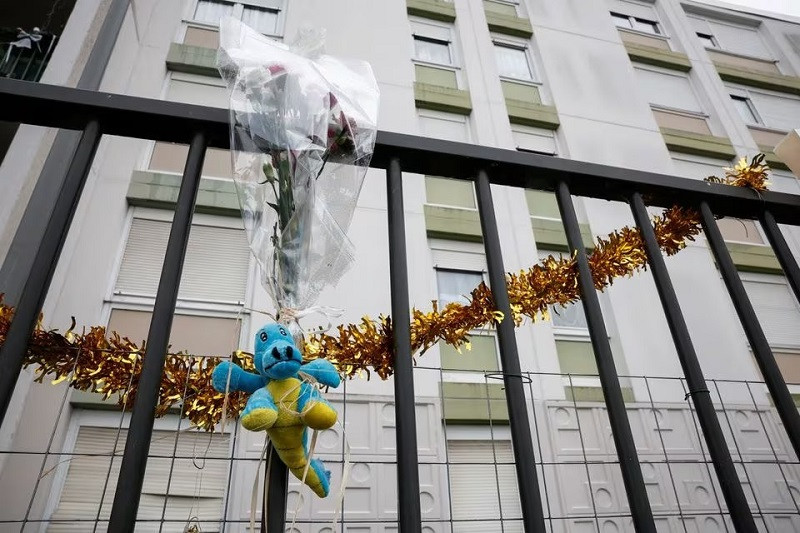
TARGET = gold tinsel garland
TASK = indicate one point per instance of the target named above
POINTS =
(108, 364)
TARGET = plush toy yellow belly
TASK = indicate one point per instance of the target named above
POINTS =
(293, 406)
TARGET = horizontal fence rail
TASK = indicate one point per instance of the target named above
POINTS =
(98, 114)
(129, 116)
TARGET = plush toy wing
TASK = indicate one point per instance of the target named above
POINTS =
(240, 379)
(323, 371)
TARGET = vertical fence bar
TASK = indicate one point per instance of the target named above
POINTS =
(617, 415)
(701, 397)
(524, 458)
(140, 431)
(752, 328)
(37, 281)
(409, 515)
(785, 257)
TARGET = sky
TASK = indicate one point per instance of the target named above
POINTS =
(786, 7)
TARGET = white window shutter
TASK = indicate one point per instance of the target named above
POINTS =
(197, 93)
(215, 269)
(474, 486)
(668, 90)
(779, 112)
(444, 126)
(740, 39)
(195, 491)
(777, 312)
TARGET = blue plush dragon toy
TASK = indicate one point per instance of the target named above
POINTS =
(283, 404)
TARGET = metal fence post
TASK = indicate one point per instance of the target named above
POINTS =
(524, 459)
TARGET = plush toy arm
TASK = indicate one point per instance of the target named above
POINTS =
(240, 380)
(323, 371)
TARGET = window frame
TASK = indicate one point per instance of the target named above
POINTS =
(744, 96)
(462, 257)
(418, 29)
(632, 19)
(277, 6)
(535, 78)
(423, 38)
(711, 37)
(111, 419)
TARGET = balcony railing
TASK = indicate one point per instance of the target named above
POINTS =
(97, 114)
(23, 55)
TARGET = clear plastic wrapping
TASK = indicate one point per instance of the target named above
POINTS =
(303, 129)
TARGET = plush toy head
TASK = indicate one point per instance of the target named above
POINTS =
(276, 355)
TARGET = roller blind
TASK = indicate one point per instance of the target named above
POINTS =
(777, 310)
(215, 268)
(475, 486)
(184, 488)
(673, 91)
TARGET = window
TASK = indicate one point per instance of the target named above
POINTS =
(512, 62)
(479, 491)
(745, 109)
(482, 356)
(737, 38)
(740, 230)
(432, 50)
(456, 285)
(636, 23)
(450, 192)
(211, 11)
(171, 157)
(773, 110)
(778, 313)
(668, 89)
(215, 269)
(199, 335)
(446, 126)
(536, 140)
(198, 90)
(571, 317)
(707, 40)
(264, 19)
(261, 20)
(172, 486)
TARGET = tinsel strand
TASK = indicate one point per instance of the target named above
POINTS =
(107, 360)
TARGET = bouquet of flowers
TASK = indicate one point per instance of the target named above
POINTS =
(303, 128)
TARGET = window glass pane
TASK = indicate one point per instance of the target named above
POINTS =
(542, 204)
(745, 109)
(648, 26)
(571, 316)
(512, 62)
(262, 20)
(456, 285)
(211, 11)
(445, 191)
(621, 21)
(432, 50)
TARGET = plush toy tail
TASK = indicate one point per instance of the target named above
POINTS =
(318, 479)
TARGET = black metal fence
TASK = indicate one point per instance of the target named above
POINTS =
(97, 114)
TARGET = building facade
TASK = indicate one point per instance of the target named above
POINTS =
(679, 88)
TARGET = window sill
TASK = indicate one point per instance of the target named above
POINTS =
(160, 191)
(432, 9)
(649, 55)
(509, 25)
(532, 114)
(763, 80)
(192, 60)
(452, 223)
(698, 144)
(439, 98)
(754, 258)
